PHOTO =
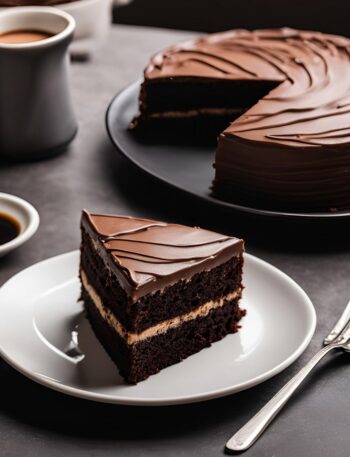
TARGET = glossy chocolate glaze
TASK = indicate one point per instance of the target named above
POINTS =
(148, 255)
(291, 149)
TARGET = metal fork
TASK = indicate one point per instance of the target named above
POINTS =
(338, 338)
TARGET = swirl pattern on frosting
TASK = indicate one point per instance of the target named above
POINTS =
(151, 253)
(310, 104)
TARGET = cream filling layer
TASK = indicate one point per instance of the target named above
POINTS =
(157, 329)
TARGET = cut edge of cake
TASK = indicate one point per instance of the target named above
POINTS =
(148, 331)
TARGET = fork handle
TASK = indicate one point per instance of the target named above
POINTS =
(250, 432)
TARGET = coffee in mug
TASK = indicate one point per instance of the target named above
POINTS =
(23, 36)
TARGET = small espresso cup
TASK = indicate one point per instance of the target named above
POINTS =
(36, 114)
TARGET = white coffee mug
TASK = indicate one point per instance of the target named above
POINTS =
(36, 113)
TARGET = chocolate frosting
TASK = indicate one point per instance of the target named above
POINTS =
(310, 105)
(152, 255)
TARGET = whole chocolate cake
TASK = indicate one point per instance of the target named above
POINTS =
(156, 293)
(282, 100)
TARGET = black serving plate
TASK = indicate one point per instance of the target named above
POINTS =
(186, 167)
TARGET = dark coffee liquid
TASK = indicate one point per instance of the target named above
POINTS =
(9, 228)
(23, 36)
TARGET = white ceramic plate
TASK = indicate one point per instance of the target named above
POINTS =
(39, 309)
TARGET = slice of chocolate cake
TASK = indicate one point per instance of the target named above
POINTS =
(155, 293)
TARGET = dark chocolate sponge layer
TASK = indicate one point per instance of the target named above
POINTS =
(138, 361)
(183, 94)
(196, 127)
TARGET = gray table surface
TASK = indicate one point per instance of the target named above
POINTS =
(35, 421)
